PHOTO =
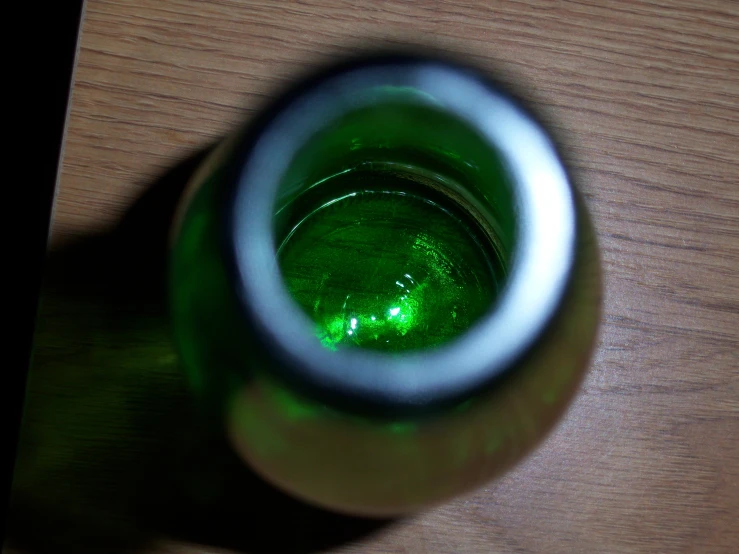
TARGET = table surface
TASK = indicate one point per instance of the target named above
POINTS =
(643, 98)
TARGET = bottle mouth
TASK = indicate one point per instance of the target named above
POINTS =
(486, 151)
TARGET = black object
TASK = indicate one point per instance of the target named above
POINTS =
(42, 80)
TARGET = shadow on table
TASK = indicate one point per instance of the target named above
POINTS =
(112, 456)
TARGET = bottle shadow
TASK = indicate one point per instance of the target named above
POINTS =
(112, 454)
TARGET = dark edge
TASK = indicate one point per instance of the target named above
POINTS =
(44, 51)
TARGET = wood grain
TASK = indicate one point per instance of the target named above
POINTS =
(643, 98)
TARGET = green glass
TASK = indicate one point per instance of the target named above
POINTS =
(386, 290)
(379, 259)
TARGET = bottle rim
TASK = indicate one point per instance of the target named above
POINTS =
(412, 382)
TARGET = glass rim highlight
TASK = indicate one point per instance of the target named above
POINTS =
(539, 272)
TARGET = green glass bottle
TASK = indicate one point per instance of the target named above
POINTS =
(386, 289)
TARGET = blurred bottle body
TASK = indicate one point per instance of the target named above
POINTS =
(338, 270)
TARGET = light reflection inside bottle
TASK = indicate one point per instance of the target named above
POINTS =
(387, 270)
(356, 328)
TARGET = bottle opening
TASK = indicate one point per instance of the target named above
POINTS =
(399, 187)
(394, 228)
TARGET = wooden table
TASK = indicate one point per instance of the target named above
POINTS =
(643, 97)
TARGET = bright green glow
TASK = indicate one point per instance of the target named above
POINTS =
(377, 266)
